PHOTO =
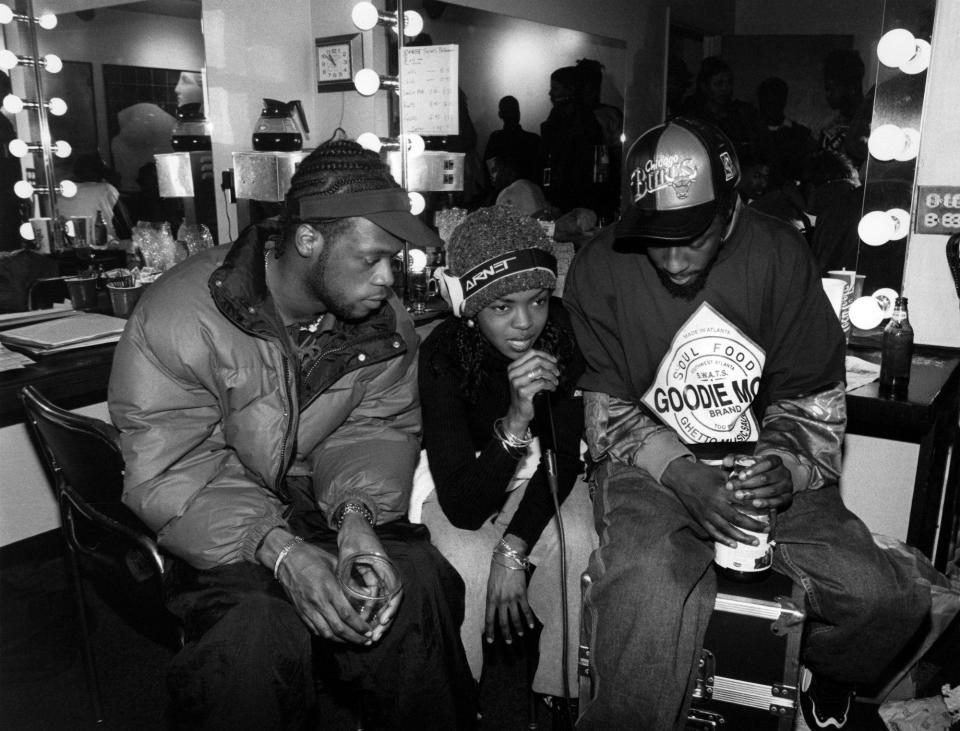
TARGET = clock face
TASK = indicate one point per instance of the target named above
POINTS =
(334, 62)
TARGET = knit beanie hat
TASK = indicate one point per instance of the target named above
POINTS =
(496, 251)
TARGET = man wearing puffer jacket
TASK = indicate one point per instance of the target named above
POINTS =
(267, 400)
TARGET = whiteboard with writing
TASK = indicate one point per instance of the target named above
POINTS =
(428, 84)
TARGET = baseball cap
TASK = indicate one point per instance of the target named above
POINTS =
(678, 174)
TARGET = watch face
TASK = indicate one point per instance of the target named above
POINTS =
(334, 62)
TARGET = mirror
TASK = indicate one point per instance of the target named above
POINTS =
(504, 56)
(128, 67)
(766, 41)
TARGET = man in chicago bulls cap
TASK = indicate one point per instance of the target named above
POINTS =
(708, 336)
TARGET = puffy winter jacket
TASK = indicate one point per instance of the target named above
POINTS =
(215, 411)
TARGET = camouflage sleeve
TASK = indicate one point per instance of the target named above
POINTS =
(807, 432)
(622, 431)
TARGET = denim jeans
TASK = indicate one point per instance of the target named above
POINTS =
(249, 659)
(653, 587)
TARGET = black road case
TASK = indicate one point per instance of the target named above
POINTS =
(750, 660)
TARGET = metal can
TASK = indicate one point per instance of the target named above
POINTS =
(746, 562)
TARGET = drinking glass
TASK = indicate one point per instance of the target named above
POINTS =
(369, 581)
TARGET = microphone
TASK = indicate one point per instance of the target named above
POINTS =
(543, 418)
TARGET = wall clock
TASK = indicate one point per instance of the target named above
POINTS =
(338, 59)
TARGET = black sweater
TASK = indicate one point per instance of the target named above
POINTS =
(471, 469)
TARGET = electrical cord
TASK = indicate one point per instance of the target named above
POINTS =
(548, 457)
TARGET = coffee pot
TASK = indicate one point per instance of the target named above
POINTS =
(277, 129)
(192, 130)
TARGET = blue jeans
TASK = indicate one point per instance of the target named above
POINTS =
(653, 589)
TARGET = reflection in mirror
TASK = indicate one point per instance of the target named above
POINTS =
(123, 97)
(831, 93)
(501, 56)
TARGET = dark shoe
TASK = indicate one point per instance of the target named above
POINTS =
(563, 712)
(823, 703)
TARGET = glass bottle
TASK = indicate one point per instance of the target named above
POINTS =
(100, 230)
(897, 352)
(747, 563)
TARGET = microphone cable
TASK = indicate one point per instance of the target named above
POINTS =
(548, 458)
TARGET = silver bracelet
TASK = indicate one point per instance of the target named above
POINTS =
(506, 565)
(509, 440)
(503, 549)
(352, 506)
(289, 546)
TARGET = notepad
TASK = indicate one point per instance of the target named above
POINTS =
(66, 332)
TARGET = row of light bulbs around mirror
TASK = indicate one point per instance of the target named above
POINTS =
(899, 49)
(368, 82)
(13, 104)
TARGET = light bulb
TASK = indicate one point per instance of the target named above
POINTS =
(53, 63)
(26, 231)
(23, 189)
(365, 16)
(911, 145)
(8, 59)
(68, 188)
(901, 223)
(57, 106)
(920, 59)
(412, 23)
(896, 47)
(367, 82)
(415, 144)
(886, 298)
(12, 104)
(865, 313)
(47, 21)
(876, 228)
(886, 142)
(417, 203)
(417, 258)
(6, 14)
(18, 148)
(62, 148)
(369, 141)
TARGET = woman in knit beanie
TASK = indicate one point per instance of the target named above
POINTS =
(491, 512)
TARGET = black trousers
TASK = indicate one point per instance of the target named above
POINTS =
(249, 658)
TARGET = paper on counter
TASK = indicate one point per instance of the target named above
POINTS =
(10, 361)
(860, 372)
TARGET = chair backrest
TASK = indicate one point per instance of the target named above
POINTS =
(83, 458)
(45, 293)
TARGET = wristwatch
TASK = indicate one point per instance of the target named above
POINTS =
(351, 506)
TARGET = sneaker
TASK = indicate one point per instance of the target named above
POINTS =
(823, 703)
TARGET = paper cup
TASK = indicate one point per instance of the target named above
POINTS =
(123, 299)
(82, 291)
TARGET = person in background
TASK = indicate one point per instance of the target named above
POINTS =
(713, 102)
(491, 513)
(515, 143)
(610, 119)
(266, 398)
(701, 290)
(95, 194)
(678, 81)
(786, 144)
(843, 73)
(570, 137)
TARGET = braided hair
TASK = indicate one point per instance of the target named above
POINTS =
(336, 166)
